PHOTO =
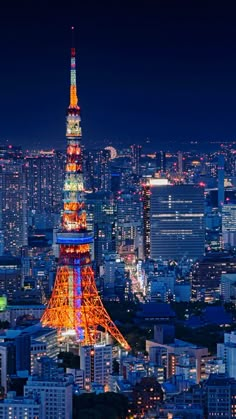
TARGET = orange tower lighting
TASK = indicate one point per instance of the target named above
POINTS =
(75, 305)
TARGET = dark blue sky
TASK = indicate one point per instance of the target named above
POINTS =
(160, 69)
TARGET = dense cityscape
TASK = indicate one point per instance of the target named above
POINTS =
(117, 276)
(164, 258)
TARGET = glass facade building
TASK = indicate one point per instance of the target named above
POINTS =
(176, 221)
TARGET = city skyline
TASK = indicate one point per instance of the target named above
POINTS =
(170, 67)
(117, 266)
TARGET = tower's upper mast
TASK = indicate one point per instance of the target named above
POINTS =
(73, 89)
(73, 129)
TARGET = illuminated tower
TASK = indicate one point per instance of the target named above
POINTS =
(75, 306)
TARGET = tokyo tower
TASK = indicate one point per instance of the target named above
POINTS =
(75, 306)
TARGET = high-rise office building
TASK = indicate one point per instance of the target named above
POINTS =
(180, 162)
(97, 170)
(44, 175)
(161, 161)
(229, 225)
(101, 212)
(221, 176)
(176, 222)
(148, 183)
(13, 205)
(146, 219)
(129, 222)
(135, 158)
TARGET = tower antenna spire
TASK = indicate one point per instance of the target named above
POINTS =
(72, 36)
(73, 88)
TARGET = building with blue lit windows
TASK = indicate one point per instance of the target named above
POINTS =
(176, 221)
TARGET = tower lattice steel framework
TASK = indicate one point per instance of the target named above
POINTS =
(75, 305)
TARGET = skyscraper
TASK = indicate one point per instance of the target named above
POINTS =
(146, 197)
(221, 176)
(75, 305)
(44, 176)
(13, 215)
(135, 158)
(101, 212)
(129, 222)
(180, 162)
(97, 170)
(161, 161)
(176, 222)
(229, 224)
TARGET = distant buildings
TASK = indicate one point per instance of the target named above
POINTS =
(206, 275)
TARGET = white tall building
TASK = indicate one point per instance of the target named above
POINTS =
(227, 352)
(96, 362)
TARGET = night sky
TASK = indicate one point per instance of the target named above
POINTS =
(160, 69)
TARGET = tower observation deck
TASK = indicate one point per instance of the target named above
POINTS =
(75, 306)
